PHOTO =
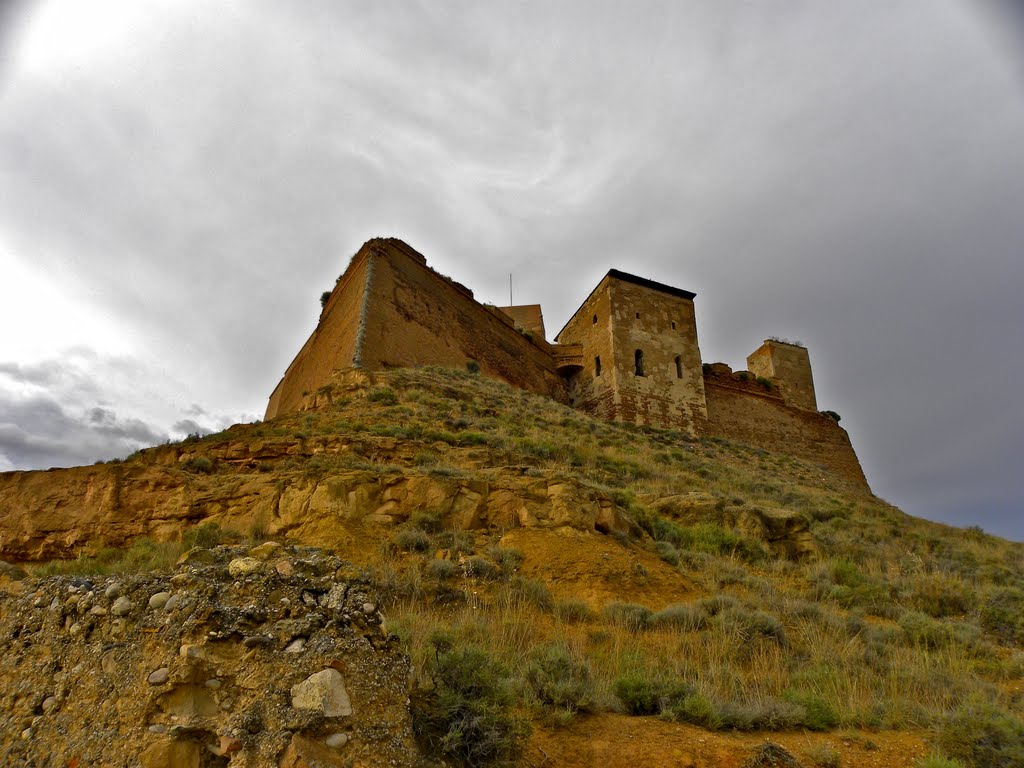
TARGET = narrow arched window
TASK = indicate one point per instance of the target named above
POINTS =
(638, 362)
(679, 367)
(673, 325)
(595, 320)
(597, 365)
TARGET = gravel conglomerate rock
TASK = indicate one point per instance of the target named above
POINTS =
(200, 667)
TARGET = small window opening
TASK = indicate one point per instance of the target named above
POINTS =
(638, 362)
(595, 320)
(679, 366)
(673, 325)
(637, 315)
(597, 365)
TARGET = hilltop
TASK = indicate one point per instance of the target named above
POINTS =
(567, 590)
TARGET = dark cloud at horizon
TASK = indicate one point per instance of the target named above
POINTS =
(847, 174)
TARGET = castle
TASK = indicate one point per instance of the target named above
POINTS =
(629, 353)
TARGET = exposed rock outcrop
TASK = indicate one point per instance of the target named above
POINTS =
(214, 675)
(785, 532)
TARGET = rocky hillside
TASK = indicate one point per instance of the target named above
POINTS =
(542, 588)
(269, 656)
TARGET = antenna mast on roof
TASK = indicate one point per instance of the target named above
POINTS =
(510, 289)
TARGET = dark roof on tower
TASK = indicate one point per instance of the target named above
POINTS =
(626, 277)
(636, 280)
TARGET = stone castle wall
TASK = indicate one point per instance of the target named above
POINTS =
(745, 412)
(390, 310)
(332, 344)
(420, 318)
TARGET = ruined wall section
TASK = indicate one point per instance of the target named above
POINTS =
(747, 413)
(594, 388)
(332, 344)
(663, 327)
(789, 368)
(418, 317)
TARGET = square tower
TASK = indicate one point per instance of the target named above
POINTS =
(640, 358)
(787, 366)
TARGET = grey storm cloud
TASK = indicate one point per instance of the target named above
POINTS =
(846, 173)
(39, 432)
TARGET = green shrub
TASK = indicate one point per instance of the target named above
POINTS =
(750, 624)
(382, 395)
(686, 618)
(1002, 614)
(825, 756)
(715, 604)
(643, 695)
(508, 559)
(937, 761)
(630, 616)
(200, 464)
(469, 715)
(981, 735)
(413, 540)
(479, 568)
(572, 611)
(206, 535)
(817, 714)
(532, 591)
(426, 520)
(940, 595)
(456, 542)
(667, 552)
(558, 680)
(473, 366)
(442, 570)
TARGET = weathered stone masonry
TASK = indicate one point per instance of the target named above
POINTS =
(629, 353)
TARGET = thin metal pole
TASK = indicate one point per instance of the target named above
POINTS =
(510, 289)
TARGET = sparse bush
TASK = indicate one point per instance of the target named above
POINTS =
(937, 761)
(473, 366)
(630, 616)
(981, 735)
(413, 540)
(479, 568)
(558, 680)
(456, 542)
(825, 756)
(324, 298)
(469, 715)
(199, 464)
(940, 595)
(667, 552)
(641, 694)
(572, 611)
(426, 520)
(715, 604)
(532, 591)
(770, 714)
(508, 559)
(749, 624)
(1002, 614)
(686, 618)
(442, 570)
(206, 535)
(382, 395)
(817, 714)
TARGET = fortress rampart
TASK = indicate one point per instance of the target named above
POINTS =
(629, 353)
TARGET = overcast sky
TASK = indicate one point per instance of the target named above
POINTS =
(181, 179)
